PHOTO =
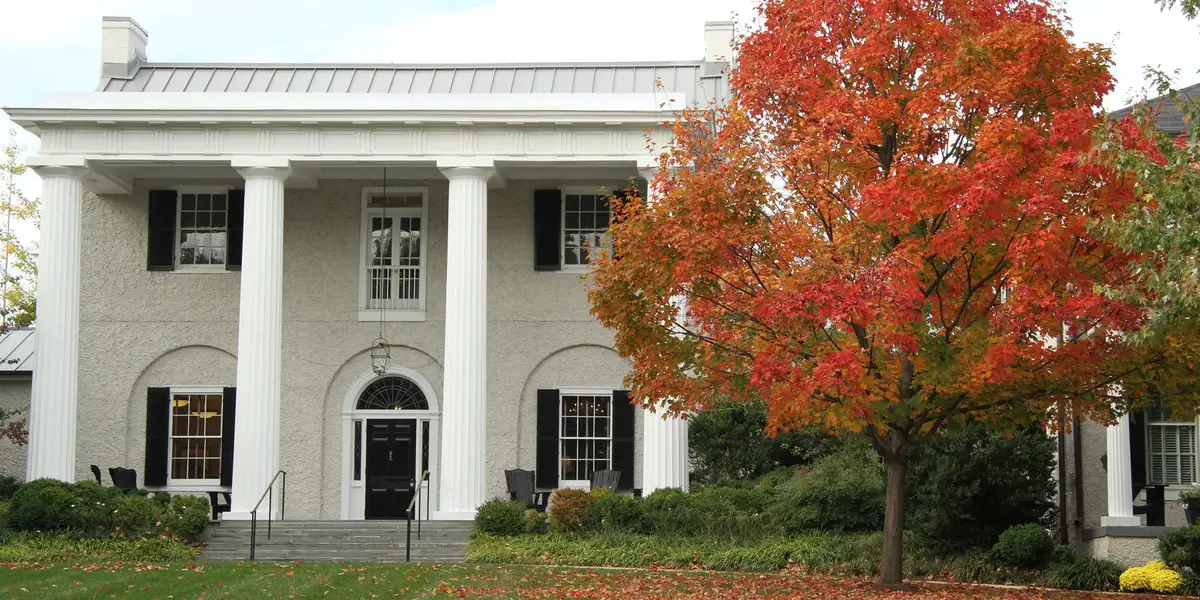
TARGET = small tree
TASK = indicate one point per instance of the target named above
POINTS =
(885, 231)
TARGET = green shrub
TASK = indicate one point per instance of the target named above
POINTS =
(1181, 549)
(616, 512)
(570, 510)
(843, 492)
(1027, 546)
(1082, 572)
(91, 509)
(500, 517)
(41, 505)
(729, 441)
(967, 486)
(535, 522)
(184, 516)
(8, 486)
(59, 548)
(162, 498)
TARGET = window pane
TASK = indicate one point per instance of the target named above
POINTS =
(587, 203)
(203, 201)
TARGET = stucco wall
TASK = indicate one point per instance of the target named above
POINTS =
(1125, 551)
(14, 394)
(141, 329)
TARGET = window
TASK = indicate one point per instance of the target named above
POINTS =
(393, 251)
(203, 229)
(585, 223)
(195, 435)
(585, 438)
(1171, 449)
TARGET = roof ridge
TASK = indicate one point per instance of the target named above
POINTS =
(463, 65)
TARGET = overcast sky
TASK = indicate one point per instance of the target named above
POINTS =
(54, 45)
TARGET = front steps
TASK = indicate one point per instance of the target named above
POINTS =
(338, 541)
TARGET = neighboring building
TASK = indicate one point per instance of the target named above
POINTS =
(16, 376)
(1156, 454)
(223, 243)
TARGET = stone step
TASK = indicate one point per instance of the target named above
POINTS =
(339, 541)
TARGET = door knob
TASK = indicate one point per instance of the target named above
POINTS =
(389, 456)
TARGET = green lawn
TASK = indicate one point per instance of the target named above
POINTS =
(331, 580)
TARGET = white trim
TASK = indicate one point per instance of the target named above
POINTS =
(599, 191)
(176, 250)
(406, 315)
(350, 414)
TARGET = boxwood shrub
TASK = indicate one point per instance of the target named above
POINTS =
(87, 509)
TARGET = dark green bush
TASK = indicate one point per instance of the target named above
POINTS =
(976, 566)
(535, 522)
(185, 516)
(8, 486)
(1083, 572)
(1028, 546)
(616, 512)
(842, 492)
(570, 510)
(41, 505)
(967, 486)
(500, 517)
(1181, 549)
(730, 442)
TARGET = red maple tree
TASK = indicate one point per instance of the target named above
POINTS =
(885, 231)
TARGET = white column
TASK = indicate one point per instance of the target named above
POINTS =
(464, 393)
(1120, 478)
(664, 452)
(260, 331)
(54, 397)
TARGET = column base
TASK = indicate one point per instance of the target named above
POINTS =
(236, 516)
(1134, 521)
(447, 515)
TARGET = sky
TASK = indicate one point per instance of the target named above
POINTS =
(54, 45)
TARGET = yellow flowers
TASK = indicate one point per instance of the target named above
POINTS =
(1154, 577)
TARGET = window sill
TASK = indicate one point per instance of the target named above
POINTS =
(194, 487)
(369, 316)
(200, 271)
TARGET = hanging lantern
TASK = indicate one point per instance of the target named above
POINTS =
(381, 355)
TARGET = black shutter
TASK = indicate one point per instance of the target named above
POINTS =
(228, 409)
(623, 438)
(160, 246)
(1137, 448)
(158, 433)
(235, 218)
(547, 439)
(547, 230)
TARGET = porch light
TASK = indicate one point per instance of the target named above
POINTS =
(381, 355)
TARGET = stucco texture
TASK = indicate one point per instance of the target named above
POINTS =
(140, 328)
(14, 394)
(1125, 551)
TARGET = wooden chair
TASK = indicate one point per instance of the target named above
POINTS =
(218, 506)
(521, 488)
(606, 479)
(96, 474)
(126, 479)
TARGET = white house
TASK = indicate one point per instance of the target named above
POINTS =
(223, 244)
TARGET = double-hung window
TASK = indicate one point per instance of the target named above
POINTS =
(585, 435)
(1170, 449)
(202, 229)
(586, 214)
(195, 435)
(393, 254)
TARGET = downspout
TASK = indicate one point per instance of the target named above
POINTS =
(1077, 442)
(1063, 534)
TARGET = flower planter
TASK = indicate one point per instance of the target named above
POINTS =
(1191, 511)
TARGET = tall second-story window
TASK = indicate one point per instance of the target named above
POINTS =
(203, 228)
(393, 254)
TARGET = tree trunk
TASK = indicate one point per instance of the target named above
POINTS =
(891, 569)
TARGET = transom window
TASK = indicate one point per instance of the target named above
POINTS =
(585, 225)
(195, 448)
(585, 435)
(1171, 449)
(393, 393)
(202, 226)
(393, 276)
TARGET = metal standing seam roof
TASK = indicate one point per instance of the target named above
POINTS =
(16, 351)
(1169, 119)
(620, 78)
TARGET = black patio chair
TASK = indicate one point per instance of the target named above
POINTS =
(96, 474)
(606, 479)
(126, 479)
(521, 488)
(218, 507)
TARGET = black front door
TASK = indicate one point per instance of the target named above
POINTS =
(391, 467)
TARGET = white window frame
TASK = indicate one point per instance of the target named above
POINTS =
(563, 393)
(192, 484)
(368, 314)
(598, 190)
(193, 189)
(1195, 424)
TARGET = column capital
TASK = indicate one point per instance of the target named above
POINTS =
(467, 168)
(273, 167)
(74, 167)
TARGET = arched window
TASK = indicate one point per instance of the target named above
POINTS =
(393, 393)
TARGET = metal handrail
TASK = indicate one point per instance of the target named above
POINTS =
(268, 493)
(414, 502)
